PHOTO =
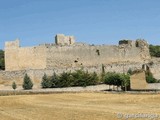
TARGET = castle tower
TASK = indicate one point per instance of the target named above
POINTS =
(11, 56)
(61, 39)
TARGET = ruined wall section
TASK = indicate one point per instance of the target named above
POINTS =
(61, 39)
(17, 58)
(76, 55)
(88, 55)
(154, 67)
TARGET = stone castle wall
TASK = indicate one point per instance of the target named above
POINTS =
(154, 67)
(21, 58)
(50, 56)
(87, 55)
(66, 55)
(7, 77)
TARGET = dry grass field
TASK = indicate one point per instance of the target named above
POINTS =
(77, 106)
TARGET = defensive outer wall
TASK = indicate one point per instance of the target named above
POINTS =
(60, 55)
(67, 55)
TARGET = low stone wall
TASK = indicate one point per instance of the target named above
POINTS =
(138, 82)
(7, 77)
(154, 86)
(95, 88)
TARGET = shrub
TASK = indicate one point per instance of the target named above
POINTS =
(14, 86)
(123, 42)
(150, 78)
(102, 78)
(78, 77)
(82, 78)
(54, 80)
(27, 83)
(130, 71)
(112, 79)
(158, 81)
(68, 79)
(65, 80)
(93, 79)
(46, 83)
(154, 50)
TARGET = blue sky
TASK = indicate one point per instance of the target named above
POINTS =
(92, 21)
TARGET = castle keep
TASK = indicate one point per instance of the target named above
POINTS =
(66, 53)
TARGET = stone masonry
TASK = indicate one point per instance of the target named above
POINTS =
(65, 53)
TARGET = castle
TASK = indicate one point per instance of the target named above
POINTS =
(66, 53)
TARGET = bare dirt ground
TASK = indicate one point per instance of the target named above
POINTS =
(77, 106)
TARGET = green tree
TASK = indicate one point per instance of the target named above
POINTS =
(125, 79)
(83, 78)
(93, 79)
(14, 86)
(46, 82)
(154, 50)
(108, 79)
(65, 80)
(78, 78)
(117, 79)
(2, 64)
(54, 80)
(27, 83)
